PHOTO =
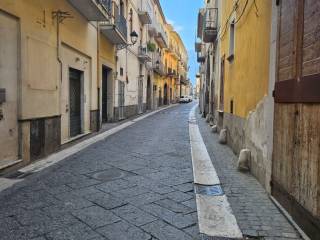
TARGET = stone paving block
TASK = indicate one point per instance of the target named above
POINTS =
(174, 181)
(130, 192)
(186, 187)
(124, 231)
(106, 200)
(145, 171)
(75, 232)
(174, 206)
(178, 196)
(177, 220)
(96, 216)
(190, 203)
(133, 215)
(164, 231)
(145, 198)
(73, 201)
(115, 185)
(193, 231)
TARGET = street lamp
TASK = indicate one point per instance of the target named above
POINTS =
(157, 64)
(133, 38)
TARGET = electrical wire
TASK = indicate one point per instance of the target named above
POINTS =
(243, 11)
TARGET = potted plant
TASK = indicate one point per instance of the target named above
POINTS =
(151, 46)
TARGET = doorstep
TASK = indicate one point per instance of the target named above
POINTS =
(9, 163)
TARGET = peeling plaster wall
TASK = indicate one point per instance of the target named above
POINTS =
(254, 133)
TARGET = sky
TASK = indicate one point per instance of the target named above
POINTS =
(183, 15)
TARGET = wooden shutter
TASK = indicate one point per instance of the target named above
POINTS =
(298, 78)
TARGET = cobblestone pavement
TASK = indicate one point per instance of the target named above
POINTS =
(136, 184)
(256, 214)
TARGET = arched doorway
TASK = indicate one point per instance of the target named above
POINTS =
(165, 94)
(149, 94)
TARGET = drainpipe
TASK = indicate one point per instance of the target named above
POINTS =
(59, 57)
(99, 122)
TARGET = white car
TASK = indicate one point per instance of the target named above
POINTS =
(189, 98)
(184, 99)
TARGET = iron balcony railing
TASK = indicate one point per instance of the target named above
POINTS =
(158, 65)
(210, 25)
(107, 4)
(143, 53)
(118, 19)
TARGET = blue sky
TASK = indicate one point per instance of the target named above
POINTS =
(183, 15)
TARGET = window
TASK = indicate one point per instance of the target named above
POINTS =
(231, 41)
(121, 71)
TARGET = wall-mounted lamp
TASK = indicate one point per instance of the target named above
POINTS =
(133, 38)
(157, 64)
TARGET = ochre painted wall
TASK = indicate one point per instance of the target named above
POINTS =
(40, 81)
(246, 77)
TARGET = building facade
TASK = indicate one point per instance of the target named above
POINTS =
(257, 79)
(69, 66)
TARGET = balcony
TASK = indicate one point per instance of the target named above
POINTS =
(143, 54)
(145, 12)
(172, 73)
(161, 36)
(92, 10)
(158, 65)
(200, 57)
(201, 16)
(116, 28)
(197, 46)
(210, 28)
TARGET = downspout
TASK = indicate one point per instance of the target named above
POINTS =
(59, 59)
(99, 120)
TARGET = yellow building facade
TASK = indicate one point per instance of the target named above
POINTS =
(243, 99)
(247, 71)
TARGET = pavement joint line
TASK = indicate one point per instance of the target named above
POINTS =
(63, 154)
(215, 217)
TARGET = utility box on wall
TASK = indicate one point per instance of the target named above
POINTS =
(2, 95)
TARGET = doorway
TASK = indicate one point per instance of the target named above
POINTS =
(75, 102)
(104, 95)
(165, 94)
(9, 128)
(149, 94)
(121, 100)
(140, 95)
(160, 97)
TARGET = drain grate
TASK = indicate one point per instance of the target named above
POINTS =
(214, 190)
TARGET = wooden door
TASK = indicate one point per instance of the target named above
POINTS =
(296, 153)
(9, 130)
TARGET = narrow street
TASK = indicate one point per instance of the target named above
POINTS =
(136, 184)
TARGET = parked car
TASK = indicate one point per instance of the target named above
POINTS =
(184, 99)
(189, 98)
